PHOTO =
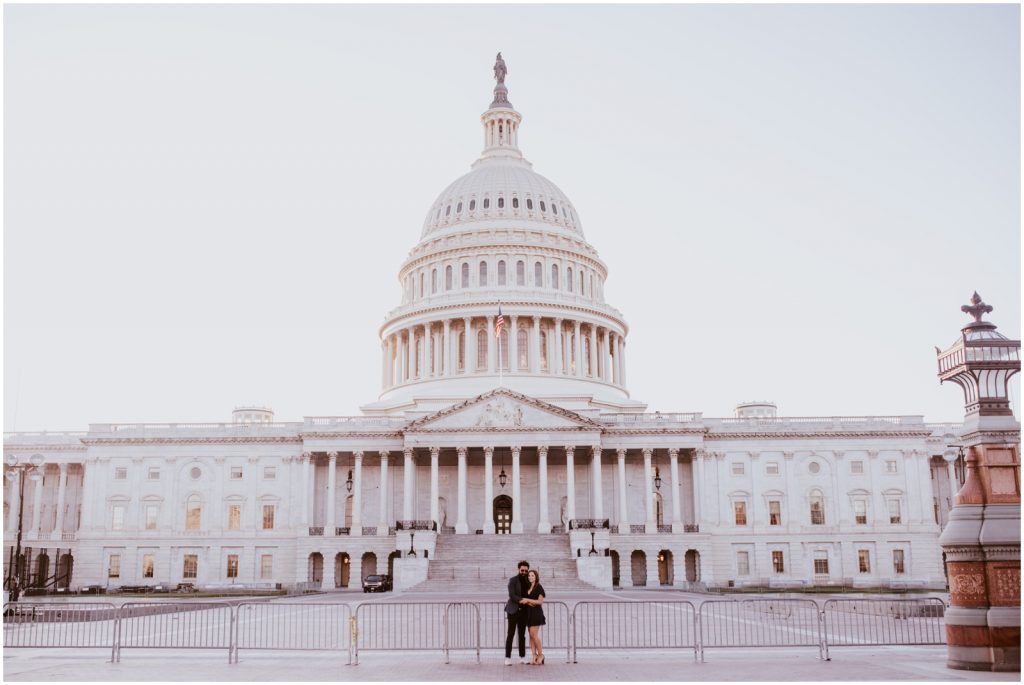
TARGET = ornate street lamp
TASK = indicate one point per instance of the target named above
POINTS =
(955, 455)
(32, 470)
(502, 478)
(657, 479)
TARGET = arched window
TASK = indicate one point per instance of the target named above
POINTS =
(538, 274)
(523, 349)
(465, 274)
(501, 203)
(483, 274)
(529, 204)
(515, 203)
(487, 202)
(481, 350)
(501, 272)
(554, 208)
(423, 278)
(193, 512)
(520, 272)
(433, 281)
(448, 210)
(563, 212)
(458, 208)
(817, 503)
(462, 351)
(568, 277)
(448, 277)
(472, 205)
(437, 216)
(542, 207)
(554, 276)
(581, 283)
(543, 351)
(504, 349)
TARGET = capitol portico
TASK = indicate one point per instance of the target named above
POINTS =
(504, 414)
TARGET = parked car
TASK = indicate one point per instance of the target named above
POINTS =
(377, 583)
(92, 590)
(136, 588)
(162, 587)
(186, 587)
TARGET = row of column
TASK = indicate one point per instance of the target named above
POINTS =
(34, 529)
(437, 354)
(462, 524)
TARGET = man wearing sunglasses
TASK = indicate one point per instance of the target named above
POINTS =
(516, 612)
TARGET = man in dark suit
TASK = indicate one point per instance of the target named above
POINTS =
(515, 611)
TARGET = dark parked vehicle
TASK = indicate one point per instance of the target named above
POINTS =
(136, 588)
(93, 590)
(186, 587)
(377, 583)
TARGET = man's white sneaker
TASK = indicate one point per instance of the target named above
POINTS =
(523, 661)
(508, 662)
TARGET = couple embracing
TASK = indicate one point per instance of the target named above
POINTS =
(525, 609)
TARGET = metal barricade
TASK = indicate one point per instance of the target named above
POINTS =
(166, 625)
(288, 626)
(850, 622)
(760, 623)
(396, 626)
(634, 625)
(555, 634)
(461, 628)
(64, 624)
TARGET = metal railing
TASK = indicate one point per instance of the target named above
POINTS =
(634, 625)
(472, 626)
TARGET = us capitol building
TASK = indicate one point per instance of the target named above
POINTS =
(481, 449)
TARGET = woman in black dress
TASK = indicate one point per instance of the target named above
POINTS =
(534, 601)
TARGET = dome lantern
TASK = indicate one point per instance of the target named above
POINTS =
(501, 121)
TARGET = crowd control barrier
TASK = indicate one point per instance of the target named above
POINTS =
(634, 625)
(858, 622)
(556, 634)
(86, 624)
(158, 625)
(293, 626)
(759, 623)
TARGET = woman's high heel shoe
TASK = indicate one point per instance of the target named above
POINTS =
(541, 660)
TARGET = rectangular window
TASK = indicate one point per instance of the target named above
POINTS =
(232, 566)
(743, 563)
(740, 511)
(737, 469)
(153, 473)
(897, 561)
(890, 467)
(774, 513)
(856, 467)
(234, 516)
(894, 511)
(821, 564)
(268, 517)
(121, 473)
(152, 511)
(117, 517)
(817, 511)
(190, 567)
(864, 560)
(778, 563)
(860, 511)
(114, 567)
(147, 565)
(236, 473)
(269, 472)
(771, 468)
(266, 566)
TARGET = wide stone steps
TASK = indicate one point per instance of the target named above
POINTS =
(484, 563)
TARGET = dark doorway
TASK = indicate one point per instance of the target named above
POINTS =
(391, 563)
(692, 560)
(503, 514)
(342, 564)
(64, 568)
(615, 568)
(316, 567)
(638, 567)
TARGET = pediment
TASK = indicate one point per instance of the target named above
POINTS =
(502, 409)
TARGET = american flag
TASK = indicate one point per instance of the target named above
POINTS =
(499, 323)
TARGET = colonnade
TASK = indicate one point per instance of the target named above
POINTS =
(530, 344)
(32, 518)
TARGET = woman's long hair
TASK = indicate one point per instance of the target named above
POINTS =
(536, 577)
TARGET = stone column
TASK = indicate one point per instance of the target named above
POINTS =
(606, 358)
(488, 526)
(595, 475)
(461, 525)
(407, 493)
(594, 366)
(330, 508)
(428, 351)
(391, 360)
(435, 454)
(470, 351)
(650, 525)
(570, 485)
(513, 347)
(622, 360)
(677, 517)
(623, 504)
(384, 363)
(62, 484)
(399, 357)
(357, 494)
(449, 359)
(37, 504)
(383, 525)
(15, 500)
(517, 509)
(308, 489)
(578, 348)
(557, 345)
(544, 525)
(412, 353)
(617, 370)
(491, 366)
(535, 347)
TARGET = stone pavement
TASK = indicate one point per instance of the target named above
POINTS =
(787, 665)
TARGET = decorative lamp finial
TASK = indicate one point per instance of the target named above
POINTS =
(977, 308)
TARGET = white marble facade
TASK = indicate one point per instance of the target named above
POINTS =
(750, 499)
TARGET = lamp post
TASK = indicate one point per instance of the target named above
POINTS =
(20, 471)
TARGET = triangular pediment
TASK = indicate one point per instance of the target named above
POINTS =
(502, 409)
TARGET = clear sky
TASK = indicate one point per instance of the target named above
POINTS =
(207, 206)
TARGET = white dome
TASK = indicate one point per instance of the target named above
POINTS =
(524, 194)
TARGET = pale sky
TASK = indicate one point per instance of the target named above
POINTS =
(207, 206)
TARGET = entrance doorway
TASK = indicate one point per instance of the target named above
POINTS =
(316, 568)
(615, 568)
(342, 564)
(503, 514)
(692, 559)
